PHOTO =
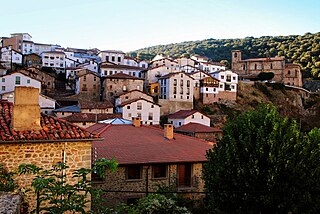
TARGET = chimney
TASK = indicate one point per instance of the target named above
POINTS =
(136, 121)
(26, 109)
(168, 131)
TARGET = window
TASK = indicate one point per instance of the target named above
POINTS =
(18, 81)
(152, 106)
(139, 106)
(94, 78)
(159, 171)
(139, 115)
(179, 123)
(201, 116)
(174, 90)
(235, 55)
(133, 172)
(3, 80)
(244, 67)
(85, 78)
(184, 175)
(193, 116)
(289, 72)
(188, 83)
(175, 82)
(84, 87)
(128, 107)
(113, 58)
(107, 58)
(271, 67)
(28, 81)
(255, 66)
(119, 59)
(84, 123)
(129, 115)
(222, 77)
(150, 117)
(94, 86)
(181, 83)
(3, 88)
(234, 78)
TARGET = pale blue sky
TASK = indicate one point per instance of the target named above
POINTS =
(132, 24)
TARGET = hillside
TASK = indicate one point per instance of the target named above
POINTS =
(304, 50)
(289, 103)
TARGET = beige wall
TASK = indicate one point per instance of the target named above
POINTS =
(117, 181)
(78, 155)
(293, 76)
(169, 107)
(89, 84)
(133, 95)
(115, 87)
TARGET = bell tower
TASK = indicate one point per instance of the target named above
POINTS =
(236, 57)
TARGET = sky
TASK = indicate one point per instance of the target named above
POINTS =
(129, 25)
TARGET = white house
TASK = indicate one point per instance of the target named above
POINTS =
(114, 56)
(47, 104)
(10, 81)
(148, 111)
(211, 66)
(228, 80)
(53, 59)
(130, 95)
(10, 56)
(39, 48)
(107, 69)
(184, 117)
(153, 74)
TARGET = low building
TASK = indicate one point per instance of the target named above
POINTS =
(28, 137)
(184, 117)
(88, 84)
(11, 58)
(210, 90)
(54, 60)
(198, 130)
(159, 157)
(134, 94)
(101, 107)
(148, 111)
(108, 68)
(228, 84)
(85, 120)
(66, 111)
(47, 79)
(292, 75)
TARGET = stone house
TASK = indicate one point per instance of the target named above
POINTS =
(47, 79)
(148, 111)
(114, 56)
(153, 74)
(184, 61)
(209, 90)
(11, 58)
(119, 83)
(167, 62)
(292, 75)
(176, 92)
(133, 94)
(32, 60)
(198, 130)
(88, 84)
(159, 157)
(102, 107)
(32, 138)
(108, 68)
(184, 117)
(198, 76)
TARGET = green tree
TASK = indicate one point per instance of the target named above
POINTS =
(264, 164)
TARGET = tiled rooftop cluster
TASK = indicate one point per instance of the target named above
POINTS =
(52, 128)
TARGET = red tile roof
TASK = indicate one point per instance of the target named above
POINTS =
(182, 114)
(96, 105)
(122, 76)
(143, 145)
(196, 128)
(53, 129)
(90, 117)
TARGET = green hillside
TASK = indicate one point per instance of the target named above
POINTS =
(304, 50)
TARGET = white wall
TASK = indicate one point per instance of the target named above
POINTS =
(195, 118)
(9, 82)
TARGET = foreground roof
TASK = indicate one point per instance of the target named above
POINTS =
(146, 145)
(53, 129)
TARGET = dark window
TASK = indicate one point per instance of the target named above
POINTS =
(119, 59)
(255, 66)
(235, 55)
(160, 171)
(113, 58)
(134, 172)
(184, 175)
(107, 58)
(18, 81)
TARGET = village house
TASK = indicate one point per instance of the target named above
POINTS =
(210, 90)
(119, 83)
(228, 82)
(184, 61)
(292, 75)
(47, 79)
(133, 94)
(211, 66)
(167, 62)
(66, 111)
(16, 40)
(148, 111)
(54, 60)
(29, 137)
(108, 68)
(32, 60)
(88, 84)
(152, 75)
(47, 104)
(184, 117)
(198, 130)
(96, 107)
(113, 56)
(159, 157)
(11, 58)
(198, 76)
(10, 81)
(176, 92)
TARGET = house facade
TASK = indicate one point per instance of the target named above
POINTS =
(147, 160)
(54, 60)
(292, 75)
(10, 81)
(88, 84)
(184, 117)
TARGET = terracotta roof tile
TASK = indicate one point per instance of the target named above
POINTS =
(145, 144)
(53, 129)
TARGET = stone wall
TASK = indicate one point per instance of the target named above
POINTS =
(226, 95)
(10, 203)
(117, 182)
(78, 155)
(169, 107)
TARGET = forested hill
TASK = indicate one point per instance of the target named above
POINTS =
(304, 50)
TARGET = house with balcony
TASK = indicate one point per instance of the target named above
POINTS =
(228, 82)
(160, 157)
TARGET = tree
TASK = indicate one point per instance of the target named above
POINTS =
(266, 75)
(264, 164)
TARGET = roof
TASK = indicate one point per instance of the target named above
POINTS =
(122, 76)
(182, 114)
(123, 67)
(113, 51)
(196, 128)
(116, 121)
(53, 129)
(96, 105)
(89, 117)
(134, 90)
(131, 145)
(74, 109)
(135, 100)
(173, 74)
(54, 52)
(292, 65)
(263, 59)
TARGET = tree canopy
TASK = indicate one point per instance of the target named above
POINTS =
(264, 164)
(303, 50)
